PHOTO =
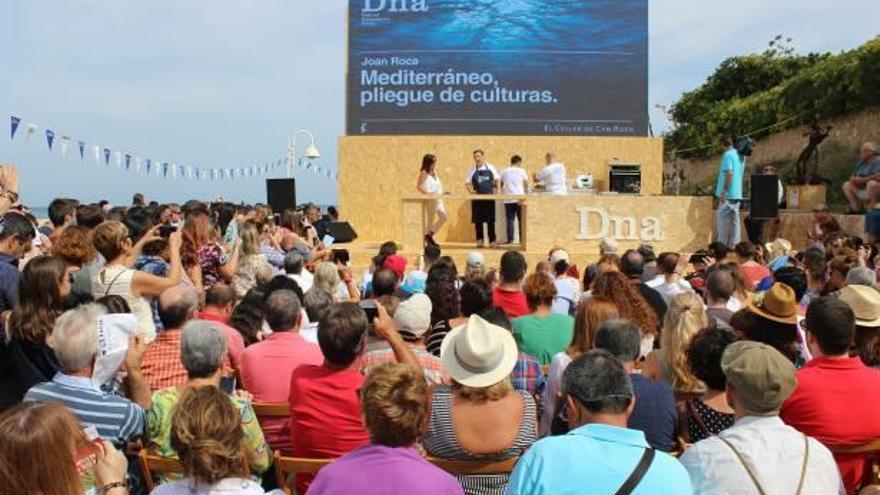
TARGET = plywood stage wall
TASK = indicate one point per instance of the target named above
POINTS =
(376, 172)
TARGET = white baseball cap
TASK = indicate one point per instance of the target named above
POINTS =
(413, 316)
(559, 255)
(475, 258)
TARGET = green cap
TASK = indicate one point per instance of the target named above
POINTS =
(761, 376)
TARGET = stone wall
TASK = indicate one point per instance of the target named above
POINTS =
(839, 149)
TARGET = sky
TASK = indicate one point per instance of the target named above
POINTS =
(223, 84)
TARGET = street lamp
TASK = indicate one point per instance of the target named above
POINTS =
(311, 152)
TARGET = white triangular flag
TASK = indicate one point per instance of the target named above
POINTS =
(118, 156)
(137, 164)
(31, 129)
(97, 150)
(65, 142)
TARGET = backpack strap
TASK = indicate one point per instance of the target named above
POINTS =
(638, 473)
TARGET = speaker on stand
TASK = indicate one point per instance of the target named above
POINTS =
(763, 207)
(281, 194)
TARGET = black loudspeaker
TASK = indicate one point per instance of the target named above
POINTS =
(765, 196)
(281, 194)
(341, 232)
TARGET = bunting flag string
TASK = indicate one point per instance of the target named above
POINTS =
(159, 168)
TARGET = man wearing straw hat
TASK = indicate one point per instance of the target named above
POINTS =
(760, 454)
(837, 397)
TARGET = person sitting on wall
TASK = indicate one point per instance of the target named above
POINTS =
(864, 185)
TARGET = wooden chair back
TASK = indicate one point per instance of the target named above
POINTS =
(287, 467)
(462, 468)
(271, 409)
(151, 463)
(869, 450)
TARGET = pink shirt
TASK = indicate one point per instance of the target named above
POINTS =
(234, 340)
(265, 372)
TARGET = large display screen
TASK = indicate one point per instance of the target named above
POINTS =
(505, 67)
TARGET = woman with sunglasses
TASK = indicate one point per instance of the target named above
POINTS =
(45, 283)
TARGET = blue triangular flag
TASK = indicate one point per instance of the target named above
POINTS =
(107, 156)
(50, 136)
(15, 121)
(165, 169)
(149, 166)
(82, 149)
(127, 161)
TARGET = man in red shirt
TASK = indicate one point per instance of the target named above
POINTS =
(509, 295)
(267, 365)
(161, 366)
(325, 411)
(219, 303)
(837, 396)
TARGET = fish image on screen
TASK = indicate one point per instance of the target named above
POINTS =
(511, 67)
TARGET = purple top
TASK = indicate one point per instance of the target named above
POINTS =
(380, 470)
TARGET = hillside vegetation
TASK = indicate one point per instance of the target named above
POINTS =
(759, 94)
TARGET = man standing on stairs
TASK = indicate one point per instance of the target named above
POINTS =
(728, 190)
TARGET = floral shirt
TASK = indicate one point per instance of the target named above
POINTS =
(211, 258)
(159, 429)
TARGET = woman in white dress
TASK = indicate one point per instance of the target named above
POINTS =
(429, 183)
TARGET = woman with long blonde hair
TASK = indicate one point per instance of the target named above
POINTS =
(591, 313)
(685, 317)
(252, 262)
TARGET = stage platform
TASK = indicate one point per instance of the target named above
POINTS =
(792, 225)
(577, 222)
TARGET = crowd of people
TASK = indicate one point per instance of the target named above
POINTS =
(736, 369)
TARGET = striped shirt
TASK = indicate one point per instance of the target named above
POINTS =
(117, 419)
(442, 441)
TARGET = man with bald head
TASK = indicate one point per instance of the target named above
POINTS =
(864, 185)
(161, 366)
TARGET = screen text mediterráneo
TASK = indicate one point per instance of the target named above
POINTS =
(403, 86)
